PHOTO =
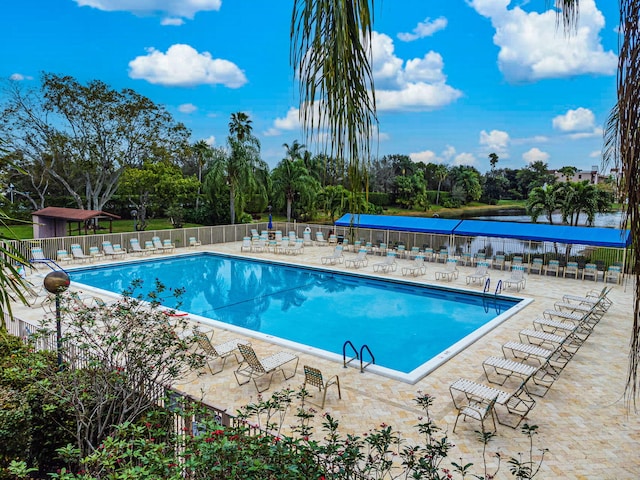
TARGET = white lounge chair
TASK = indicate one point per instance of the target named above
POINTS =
(450, 271)
(571, 269)
(246, 244)
(109, 251)
(194, 242)
(136, 249)
(517, 278)
(149, 246)
(335, 257)
(537, 266)
(95, 252)
(297, 247)
(218, 352)
(320, 240)
(481, 273)
(78, 254)
(63, 256)
(613, 274)
(388, 265)
(553, 267)
(358, 260)
(417, 268)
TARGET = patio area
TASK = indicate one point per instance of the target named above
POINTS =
(583, 420)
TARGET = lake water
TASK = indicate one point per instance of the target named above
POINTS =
(610, 220)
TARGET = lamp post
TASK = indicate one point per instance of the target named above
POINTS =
(57, 282)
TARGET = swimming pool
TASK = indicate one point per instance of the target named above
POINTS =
(409, 328)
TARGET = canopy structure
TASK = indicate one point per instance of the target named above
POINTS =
(538, 232)
(56, 221)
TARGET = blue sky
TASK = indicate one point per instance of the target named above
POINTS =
(455, 80)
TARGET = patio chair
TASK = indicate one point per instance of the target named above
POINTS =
(592, 297)
(258, 244)
(254, 368)
(478, 410)
(306, 238)
(108, 250)
(284, 245)
(414, 252)
(78, 254)
(218, 352)
(401, 251)
(553, 267)
(590, 270)
(418, 267)
(481, 273)
(358, 260)
(246, 244)
(333, 240)
(320, 240)
(297, 247)
(613, 274)
(335, 257)
(278, 236)
(63, 256)
(37, 256)
(381, 249)
(136, 249)
(450, 271)
(194, 242)
(160, 246)
(442, 256)
(498, 262)
(95, 252)
(313, 376)
(517, 403)
(516, 260)
(498, 370)
(537, 266)
(388, 265)
(571, 269)
(119, 249)
(428, 254)
(150, 247)
(466, 259)
(517, 278)
(168, 245)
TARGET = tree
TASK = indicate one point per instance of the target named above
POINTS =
(467, 180)
(441, 173)
(333, 200)
(238, 168)
(581, 197)
(534, 175)
(159, 185)
(543, 201)
(331, 56)
(493, 160)
(119, 358)
(291, 179)
(568, 172)
(84, 136)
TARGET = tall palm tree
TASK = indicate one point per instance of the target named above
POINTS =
(239, 167)
(203, 153)
(621, 146)
(331, 55)
(543, 201)
(290, 178)
(441, 172)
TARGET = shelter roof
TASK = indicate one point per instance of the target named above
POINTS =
(539, 232)
(72, 214)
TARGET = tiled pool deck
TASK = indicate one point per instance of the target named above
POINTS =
(582, 420)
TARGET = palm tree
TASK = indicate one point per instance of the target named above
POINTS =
(291, 178)
(441, 174)
(296, 151)
(202, 151)
(239, 167)
(493, 160)
(543, 201)
(331, 56)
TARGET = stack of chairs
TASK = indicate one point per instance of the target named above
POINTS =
(531, 364)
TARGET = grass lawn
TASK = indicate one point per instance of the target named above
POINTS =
(25, 231)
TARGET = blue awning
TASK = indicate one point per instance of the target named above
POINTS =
(440, 226)
(538, 232)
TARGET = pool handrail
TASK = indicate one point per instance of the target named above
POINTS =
(344, 353)
(373, 359)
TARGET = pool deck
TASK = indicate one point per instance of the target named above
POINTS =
(583, 420)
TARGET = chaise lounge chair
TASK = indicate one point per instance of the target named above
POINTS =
(388, 265)
(335, 257)
(450, 271)
(109, 251)
(517, 278)
(78, 254)
(481, 273)
(359, 260)
(254, 368)
(417, 268)
(218, 352)
(136, 249)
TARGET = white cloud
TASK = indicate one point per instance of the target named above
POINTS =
(495, 141)
(187, 108)
(534, 139)
(426, 156)
(464, 158)
(424, 29)
(448, 153)
(290, 121)
(535, 155)
(172, 21)
(595, 154)
(418, 84)
(211, 141)
(17, 77)
(169, 8)
(183, 66)
(533, 47)
(596, 132)
(575, 120)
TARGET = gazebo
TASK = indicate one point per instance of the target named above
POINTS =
(59, 221)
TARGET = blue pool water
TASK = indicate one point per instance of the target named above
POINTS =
(404, 325)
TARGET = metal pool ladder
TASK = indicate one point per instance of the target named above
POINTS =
(358, 356)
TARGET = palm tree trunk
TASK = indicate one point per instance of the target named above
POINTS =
(289, 205)
(232, 204)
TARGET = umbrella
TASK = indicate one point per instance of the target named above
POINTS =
(270, 226)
